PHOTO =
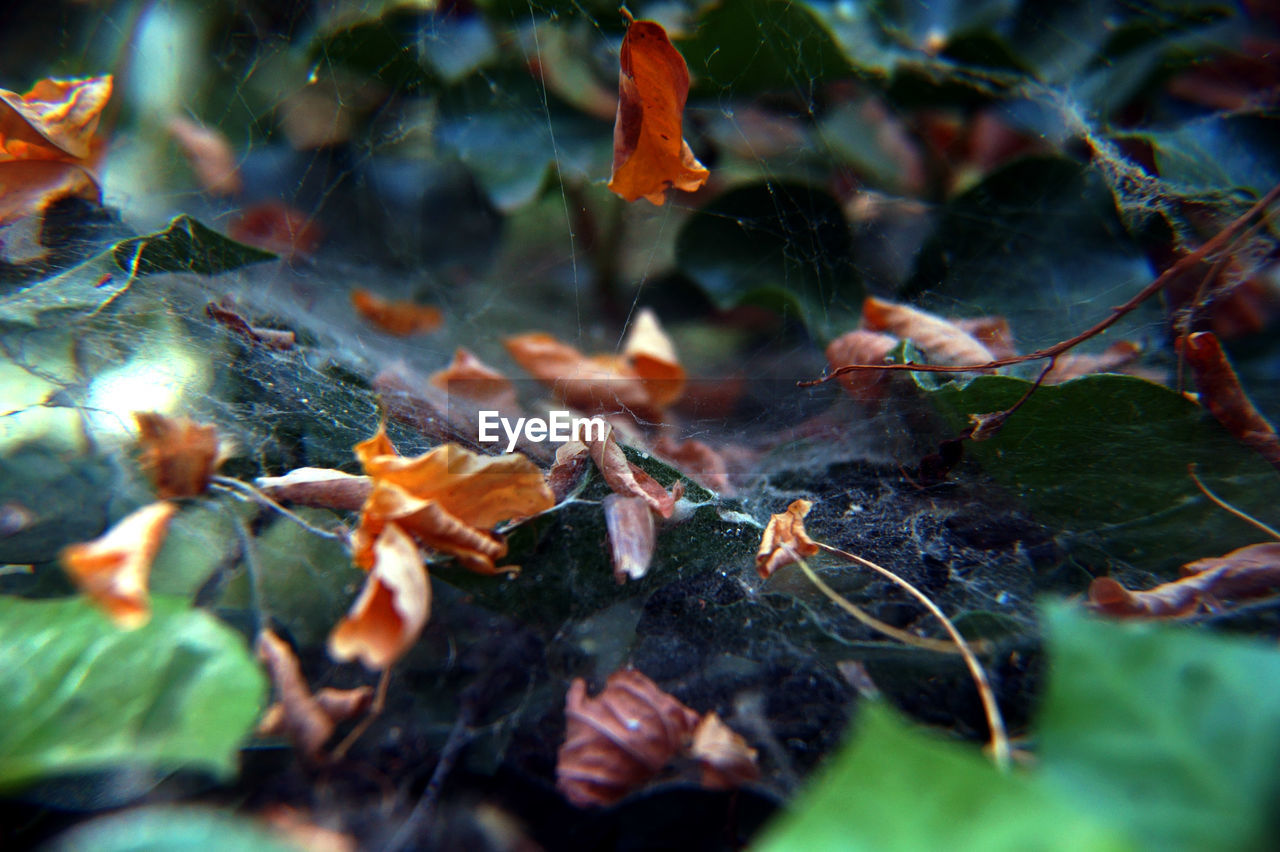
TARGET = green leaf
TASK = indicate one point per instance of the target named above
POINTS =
(84, 289)
(763, 45)
(185, 245)
(1106, 458)
(895, 787)
(1170, 733)
(1219, 154)
(78, 694)
(1039, 242)
(166, 829)
(780, 245)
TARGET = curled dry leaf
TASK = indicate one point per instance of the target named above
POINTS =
(627, 479)
(319, 487)
(307, 720)
(1073, 366)
(566, 473)
(278, 228)
(113, 570)
(785, 538)
(467, 376)
(698, 461)
(271, 338)
(48, 147)
(1222, 394)
(943, 341)
(620, 739)
(178, 454)
(862, 347)
(631, 535)
(396, 317)
(1248, 572)
(448, 499)
(210, 155)
(649, 152)
(644, 380)
(992, 332)
(391, 610)
(727, 761)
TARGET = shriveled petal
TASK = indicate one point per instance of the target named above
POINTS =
(784, 539)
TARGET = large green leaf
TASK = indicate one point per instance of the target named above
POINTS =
(78, 694)
(778, 244)
(1168, 732)
(1219, 154)
(169, 829)
(893, 787)
(1105, 457)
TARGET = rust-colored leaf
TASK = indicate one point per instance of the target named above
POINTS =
(271, 338)
(1248, 572)
(307, 720)
(467, 376)
(448, 499)
(644, 380)
(862, 347)
(627, 479)
(210, 154)
(113, 570)
(785, 538)
(1073, 366)
(279, 228)
(943, 341)
(392, 609)
(48, 146)
(178, 454)
(396, 317)
(698, 461)
(650, 155)
(571, 463)
(620, 739)
(727, 761)
(992, 332)
(632, 534)
(1222, 394)
(319, 487)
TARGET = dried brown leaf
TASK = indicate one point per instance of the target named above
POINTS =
(620, 739)
(319, 487)
(698, 461)
(1222, 394)
(727, 761)
(388, 616)
(279, 228)
(178, 454)
(627, 479)
(1073, 366)
(113, 570)
(784, 538)
(467, 376)
(862, 347)
(396, 317)
(632, 535)
(210, 155)
(943, 341)
(1248, 572)
(271, 338)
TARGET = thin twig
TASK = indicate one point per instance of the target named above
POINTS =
(1223, 504)
(375, 710)
(999, 739)
(943, 646)
(1220, 240)
(424, 810)
(243, 490)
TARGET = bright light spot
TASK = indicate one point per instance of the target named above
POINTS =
(142, 385)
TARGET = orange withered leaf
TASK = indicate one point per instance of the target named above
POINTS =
(644, 379)
(391, 610)
(113, 570)
(1247, 572)
(649, 152)
(992, 332)
(620, 739)
(307, 720)
(1222, 394)
(632, 535)
(469, 377)
(210, 155)
(700, 462)
(627, 479)
(48, 147)
(943, 341)
(727, 761)
(448, 499)
(277, 227)
(862, 347)
(178, 454)
(784, 538)
(396, 317)
(319, 487)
